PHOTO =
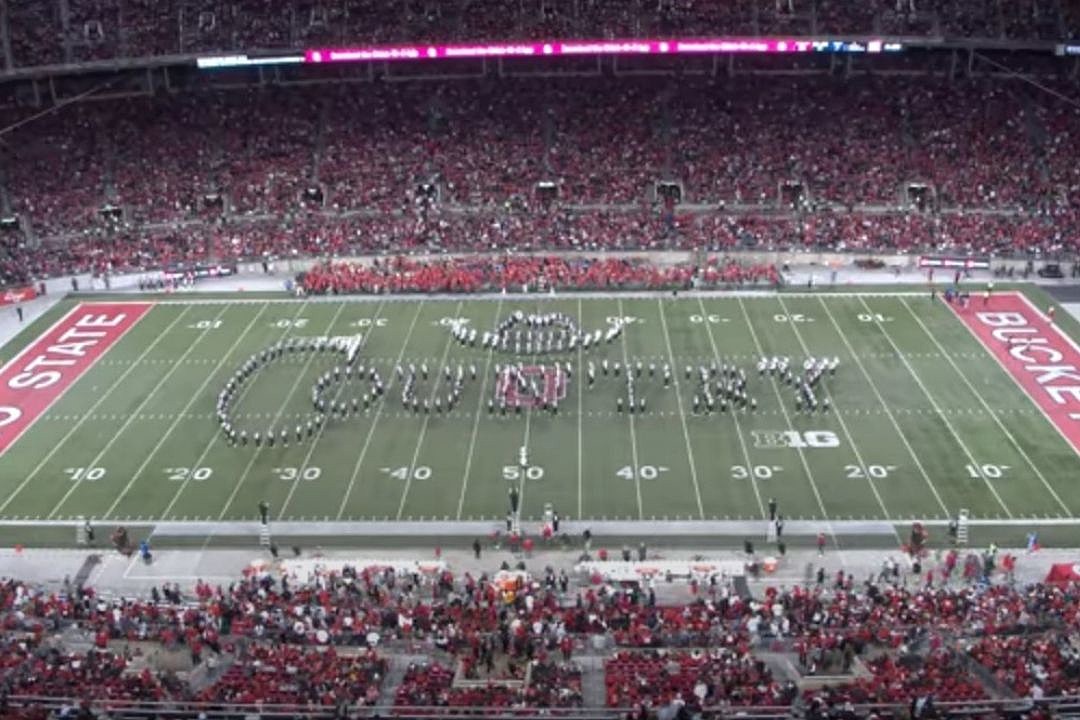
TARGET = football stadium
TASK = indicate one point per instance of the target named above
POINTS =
(581, 359)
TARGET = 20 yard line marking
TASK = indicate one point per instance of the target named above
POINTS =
(476, 420)
(153, 391)
(682, 413)
(180, 416)
(982, 401)
(378, 413)
(839, 417)
(319, 433)
(937, 408)
(97, 403)
(734, 415)
(427, 418)
(888, 411)
(630, 415)
(277, 416)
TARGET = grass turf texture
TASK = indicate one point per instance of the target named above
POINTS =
(927, 421)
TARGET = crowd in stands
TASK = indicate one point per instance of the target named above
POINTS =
(103, 29)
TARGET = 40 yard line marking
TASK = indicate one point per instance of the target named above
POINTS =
(885, 406)
(933, 402)
(682, 413)
(378, 413)
(982, 401)
(160, 383)
(277, 416)
(427, 418)
(318, 433)
(839, 416)
(210, 443)
(476, 420)
(180, 416)
(630, 415)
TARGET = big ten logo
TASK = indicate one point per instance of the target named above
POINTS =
(800, 440)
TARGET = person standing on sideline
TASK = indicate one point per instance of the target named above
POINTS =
(19, 312)
(821, 543)
(476, 548)
(772, 508)
(264, 511)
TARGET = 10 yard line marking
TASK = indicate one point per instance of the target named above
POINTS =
(840, 417)
(682, 413)
(101, 399)
(476, 419)
(630, 415)
(179, 417)
(139, 408)
(734, 415)
(884, 405)
(378, 413)
(210, 443)
(787, 419)
(427, 418)
(997, 420)
(933, 403)
(319, 433)
(277, 416)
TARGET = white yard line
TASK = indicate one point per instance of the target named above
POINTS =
(378, 412)
(630, 415)
(986, 406)
(888, 410)
(580, 410)
(838, 415)
(682, 412)
(427, 418)
(787, 419)
(277, 415)
(101, 398)
(933, 403)
(734, 415)
(195, 396)
(319, 433)
(145, 401)
(476, 420)
(213, 440)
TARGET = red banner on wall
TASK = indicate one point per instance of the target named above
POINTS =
(10, 296)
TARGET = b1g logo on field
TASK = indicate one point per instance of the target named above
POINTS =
(795, 439)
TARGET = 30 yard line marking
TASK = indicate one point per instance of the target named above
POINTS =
(885, 406)
(153, 391)
(839, 416)
(427, 418)
(734, 415)
(682, 413)
(997, 420)
(630, 415)
(180, 416)
(933, 402)
(787, 419)
(101, 398)
(476, 420)
(277, 416)
(378, 413)
(319, 433)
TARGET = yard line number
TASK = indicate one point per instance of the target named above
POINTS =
(89, 474)
(181, 474)
(758, 472)
(876, 472)
(989, 471)
(420, 472)
(645, 472)
(292, 473)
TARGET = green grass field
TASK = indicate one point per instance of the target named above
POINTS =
(926, 421)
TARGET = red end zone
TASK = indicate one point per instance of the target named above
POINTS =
(46, 368)
(1040, 357)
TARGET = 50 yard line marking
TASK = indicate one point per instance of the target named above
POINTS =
(210, 443)
(933, 402)
(135, 413)
(734, 415)
(277, 416)
(108, 391)
(682, 413)
(580, 409)
(319, 433)
(378, 412)
(476, 420)
(427, 418)
(885, 406)
(179, 417)
(839, 416)
(630, 415)
(1008, 434)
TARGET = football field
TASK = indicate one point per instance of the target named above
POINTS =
(923, 420)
